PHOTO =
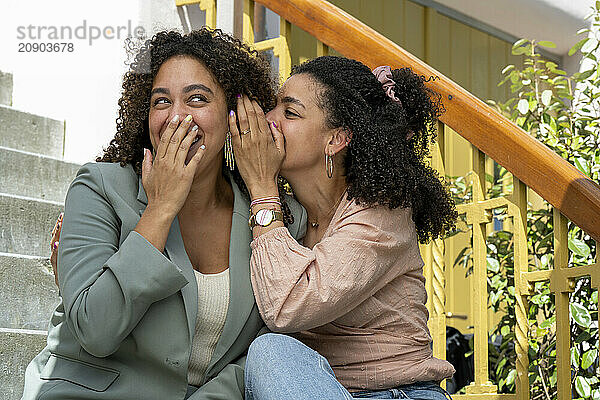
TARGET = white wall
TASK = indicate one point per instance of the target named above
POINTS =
(225, 13)
(81, 87)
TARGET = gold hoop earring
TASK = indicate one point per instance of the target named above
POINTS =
(329, 165)
(229, 159)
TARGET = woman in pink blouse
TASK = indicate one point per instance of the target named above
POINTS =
(353, 144)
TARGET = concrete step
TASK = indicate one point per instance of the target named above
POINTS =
(23, 131)
(33, 175)
(26, 224)
(29, 295)
(17, 348)
(6, 88)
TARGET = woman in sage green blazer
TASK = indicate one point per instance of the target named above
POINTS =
(125, 325)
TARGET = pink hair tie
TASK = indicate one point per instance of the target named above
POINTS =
(384, 75)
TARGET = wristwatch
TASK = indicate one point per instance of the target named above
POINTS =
(265, 217)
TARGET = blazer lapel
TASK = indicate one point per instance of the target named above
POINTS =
(175, 251)
(141, 195)
(241, 296)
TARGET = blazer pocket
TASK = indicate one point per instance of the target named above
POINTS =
(89, 376)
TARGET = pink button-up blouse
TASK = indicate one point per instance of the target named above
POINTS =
(358, 297)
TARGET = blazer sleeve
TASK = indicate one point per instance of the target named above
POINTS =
(106, 288)
(298, 288)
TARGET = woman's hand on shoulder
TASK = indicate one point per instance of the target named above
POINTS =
(258, 146)
(54, 246)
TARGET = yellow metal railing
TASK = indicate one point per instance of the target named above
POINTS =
(562, 282)
(208, 6)
(435, 266)
(279, 45)
(478, 214)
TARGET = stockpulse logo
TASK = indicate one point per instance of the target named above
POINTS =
(42, 33)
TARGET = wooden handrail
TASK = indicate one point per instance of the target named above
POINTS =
(553, 178)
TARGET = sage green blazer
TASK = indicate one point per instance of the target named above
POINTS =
(126, 321)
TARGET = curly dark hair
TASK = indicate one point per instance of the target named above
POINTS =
(236, 67)
(385, 163)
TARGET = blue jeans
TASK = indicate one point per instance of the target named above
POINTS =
(279, 367)
(415, 391)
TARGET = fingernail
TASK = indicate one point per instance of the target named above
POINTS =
(231, 113)
(202, 146)
(194, 128)
(238, 95)
(188, 118)
(175, 118)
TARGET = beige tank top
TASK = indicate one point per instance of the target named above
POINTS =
(213, 302)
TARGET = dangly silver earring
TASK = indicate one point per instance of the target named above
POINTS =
(229, 159)
(329, 165)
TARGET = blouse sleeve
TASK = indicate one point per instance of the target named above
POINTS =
(298, 288)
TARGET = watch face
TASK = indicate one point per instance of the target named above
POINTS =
(264, 217)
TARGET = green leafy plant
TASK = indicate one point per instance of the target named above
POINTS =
(563, 112)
